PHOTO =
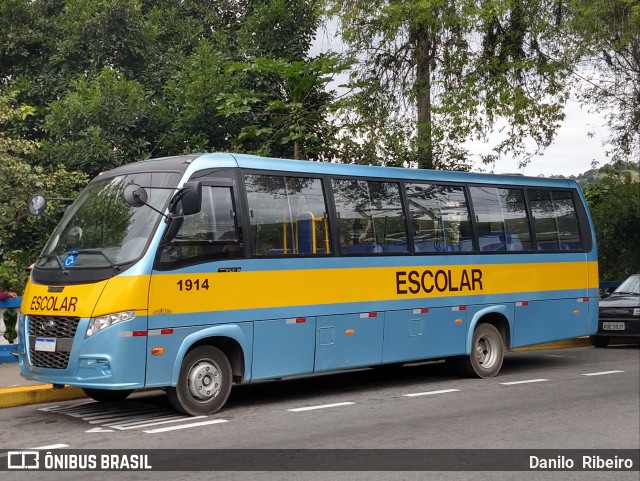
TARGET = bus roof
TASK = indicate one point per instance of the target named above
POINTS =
(229, 160)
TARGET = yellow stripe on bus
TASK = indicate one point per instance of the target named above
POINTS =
(268, 289)
(222, 291)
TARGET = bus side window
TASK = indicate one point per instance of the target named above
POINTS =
(440, 218)
(555, 220)
(370, 217)
(501, 219)
(288, 215)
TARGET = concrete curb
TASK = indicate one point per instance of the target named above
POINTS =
(25, 395)
(46, 393)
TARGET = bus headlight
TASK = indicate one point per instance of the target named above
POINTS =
(97, 324)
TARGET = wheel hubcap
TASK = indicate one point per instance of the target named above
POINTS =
(486, 352)
(204, 380)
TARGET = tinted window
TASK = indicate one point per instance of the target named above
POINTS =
(209, 234)
(501, 219)
(370, 217)
(555, 220)
(440, 218)
(288, 215)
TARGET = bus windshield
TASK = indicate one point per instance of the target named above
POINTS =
(100, 230)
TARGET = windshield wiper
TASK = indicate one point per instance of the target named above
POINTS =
(58, 260)
(98, 252)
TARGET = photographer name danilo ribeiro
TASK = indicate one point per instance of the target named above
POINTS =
(587, 462)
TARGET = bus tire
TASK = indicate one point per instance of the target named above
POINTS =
(204, 382)
(599, 341)
(107, 395)
(487, 354)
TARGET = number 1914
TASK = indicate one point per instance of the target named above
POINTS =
(193, 285)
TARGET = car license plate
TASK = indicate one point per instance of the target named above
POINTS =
(613, 326)
(46, 344)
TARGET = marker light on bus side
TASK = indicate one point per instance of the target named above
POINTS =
(97, 324)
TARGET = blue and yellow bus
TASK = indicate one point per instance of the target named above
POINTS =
(193, 273)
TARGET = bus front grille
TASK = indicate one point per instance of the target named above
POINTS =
(53, 326)
(52, 360)
(62, 329)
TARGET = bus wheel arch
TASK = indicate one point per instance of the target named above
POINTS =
(231, 349)
(206, 374)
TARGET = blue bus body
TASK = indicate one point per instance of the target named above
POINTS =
(256, 294)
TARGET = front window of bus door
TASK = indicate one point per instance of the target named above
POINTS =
(210, 234)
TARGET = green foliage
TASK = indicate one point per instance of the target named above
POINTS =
(192, 106)
(18, 181)
(100, 124)
(614, 203)
(288, 116)
(455, 71)
(608, 31)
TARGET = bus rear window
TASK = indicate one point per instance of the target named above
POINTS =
(555, 220)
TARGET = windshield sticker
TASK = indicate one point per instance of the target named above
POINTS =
(71, 259)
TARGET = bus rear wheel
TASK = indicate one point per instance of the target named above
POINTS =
(204, 382)
(487, 354)
(106, 395)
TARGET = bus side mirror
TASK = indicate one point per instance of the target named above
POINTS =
(192, 198)
(135, 196)
(37, 204)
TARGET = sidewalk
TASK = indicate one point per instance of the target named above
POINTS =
(18, 391)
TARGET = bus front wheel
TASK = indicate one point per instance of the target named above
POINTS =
(204, 382)
(487, 354)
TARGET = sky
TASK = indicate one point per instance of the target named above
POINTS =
(571, 153)
(578, 142)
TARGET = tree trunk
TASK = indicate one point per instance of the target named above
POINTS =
(424, 47)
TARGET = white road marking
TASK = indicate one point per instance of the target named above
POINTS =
(99, 430)
(601, 373)
(523, 382)
(155, 423)
(322, 406)
(186, 426)
(52, 446)
(428, 393)
(151, 419)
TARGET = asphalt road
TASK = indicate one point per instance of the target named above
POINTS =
(581, 398)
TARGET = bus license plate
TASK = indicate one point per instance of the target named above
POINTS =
(613, 326)
(45, 344)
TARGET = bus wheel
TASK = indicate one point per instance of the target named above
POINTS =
(487, 353)
(599, 341)
(107, 395)
(204, 383)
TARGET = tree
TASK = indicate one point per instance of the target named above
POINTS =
(609, 31)
(288, 115)
(455, 71)
(614, 203)
(100, 124)
(18, 181)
